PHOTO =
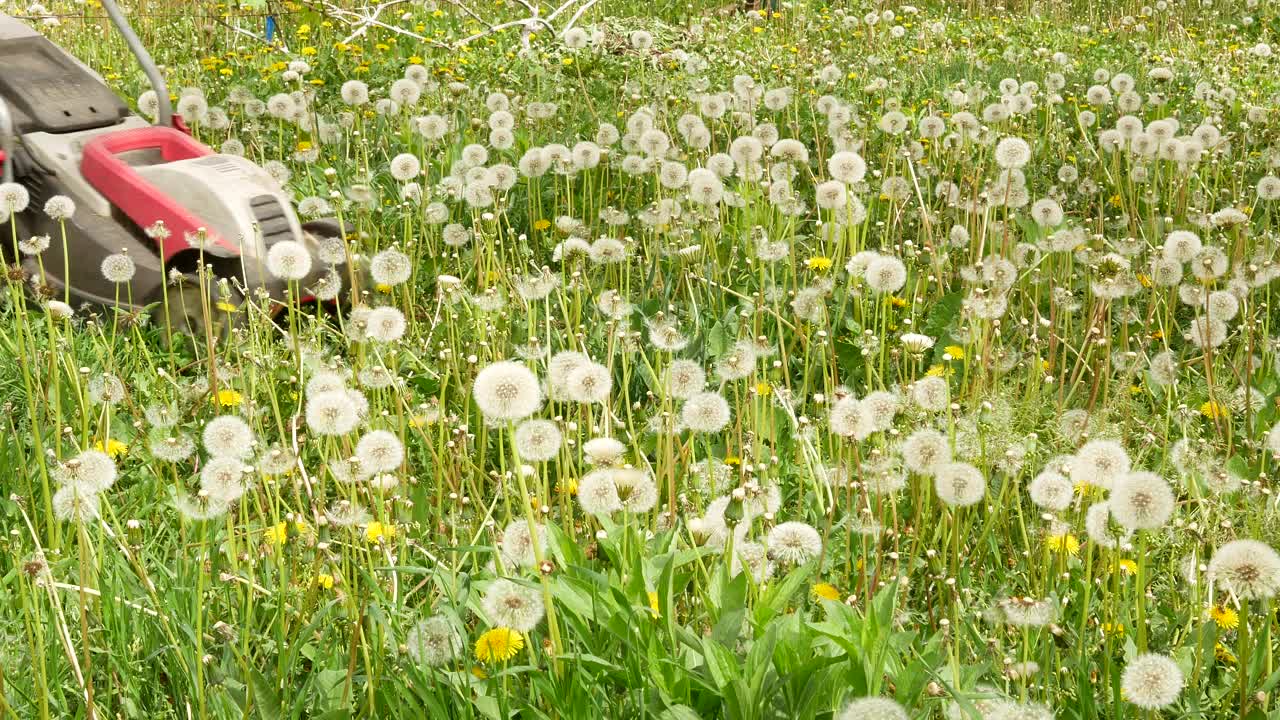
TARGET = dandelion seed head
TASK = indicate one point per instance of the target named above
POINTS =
(228, 436)
(1141, 501)
(794, 543)
(118, 268)
(91, 471)
(1051, 490)
(603, 450)
(223, 479)
(705, 412)
(73, 503)
(506, 391)
(1099, 463)
(289, 260)
(873, 708)
(1151, 681)
(925, 450)
(512, 605)
(959, 484)
(380, 451)
(538, 440)
(434, 641)
(1248, 568)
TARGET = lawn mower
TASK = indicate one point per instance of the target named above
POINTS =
(139, 188)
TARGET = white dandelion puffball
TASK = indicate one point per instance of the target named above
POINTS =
(14, 198)
(959, 484)
(405, 167)
(355, 92)
(289, 260)
(1051, 490)
(705, 412)
(228, 436)
(846, 166)
(685, 378)
(1141, 501)
(597, 493)
(589, 382)
(794, 543)
(332, 412)
(873, 708)
(92, 471)
(885, 274)
(433, 641)
(517, 544)
(385, 324)
(603, 450)
(636, 489)
(1247, 568)
(380, 451)
(1152, 681)
(507, 390)
(1099, 463)
(59, 207)
(390, 267)
(925, 450)
(1012, 152)
(1100, 526)
(118, 268)
(538, 440)
(223, 480)
(512, 605)
(72, 503)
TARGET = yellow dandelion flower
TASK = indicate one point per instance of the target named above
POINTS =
(1214, 410)
(818, 262)
(568, 486)
(308, 51)
(955, 351)
(763, 389)
(114, 448)
(825, 591)
(896, 301)
(1224, 654)
(733, 460)
(383, 288)
(653, 603)
(378, 531)
(324, 581)
(498, 645)
(225, 306)
(1225, 617)
(1116, 629)
(229, 398)
(277, 534)
(1128, 567)
(939, 371)
(1068, 544)
(541, 224)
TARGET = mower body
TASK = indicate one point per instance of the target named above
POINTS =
(151, 191)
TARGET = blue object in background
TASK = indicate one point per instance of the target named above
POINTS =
(271, 28)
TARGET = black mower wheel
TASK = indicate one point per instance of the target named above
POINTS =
(188, 312)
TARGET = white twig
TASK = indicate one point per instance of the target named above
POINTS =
(363, 18)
